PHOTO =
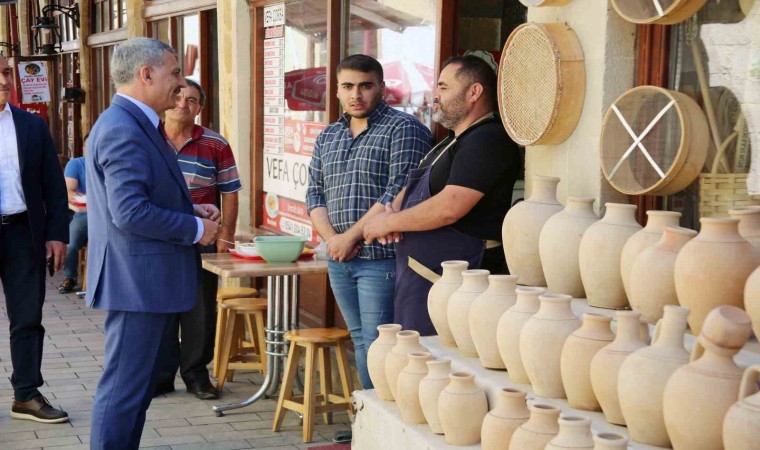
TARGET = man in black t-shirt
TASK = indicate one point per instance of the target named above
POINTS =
(453, 205)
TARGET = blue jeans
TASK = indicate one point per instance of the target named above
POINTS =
(77, 240)
(364, 292)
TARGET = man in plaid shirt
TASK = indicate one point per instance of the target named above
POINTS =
(360, 163)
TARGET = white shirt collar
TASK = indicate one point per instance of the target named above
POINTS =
(147, 110)
(7, 108)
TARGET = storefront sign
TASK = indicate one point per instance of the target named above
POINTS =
(287, 175)
(34, 82)
(300, 136)
(288, 216)
(274, 15)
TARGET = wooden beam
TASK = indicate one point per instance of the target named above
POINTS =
(332, 105)
(257, 115)
(445, 44)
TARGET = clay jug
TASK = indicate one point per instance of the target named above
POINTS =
(510, 412)
(610, 441)
(647, 236)
(541, 342)
(438, 298)
(698, 394)
(376, 355)
(485, 312)
(462, 406)
(509, 328)
(522, 228)
(752, 300)
(474, 283)
(539, 430)
(605, 365)
(559, 243)
(407, 341)
(749, 222)
(574, 432)
(741, 427)
(712, 268)
(645, 373)
(652, 280)
(408, 387)
(599, 256)
(431, 386)
(575, 363)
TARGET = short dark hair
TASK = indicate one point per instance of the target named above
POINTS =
(362, 63)
(201, 92)
(476, 70)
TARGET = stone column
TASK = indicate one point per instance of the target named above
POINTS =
(25, 39)
(85, 64)
(135, 19)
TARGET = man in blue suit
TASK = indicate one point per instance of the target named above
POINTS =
(142, 266)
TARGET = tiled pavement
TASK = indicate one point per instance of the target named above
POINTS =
(72, 364)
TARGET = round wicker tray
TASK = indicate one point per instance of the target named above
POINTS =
(664, 12)
(542, 83)
(654, 142)
(545, 2)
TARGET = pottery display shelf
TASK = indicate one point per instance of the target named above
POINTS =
(378, 424)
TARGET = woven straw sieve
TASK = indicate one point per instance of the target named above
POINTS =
(665, 12)
(541, 83)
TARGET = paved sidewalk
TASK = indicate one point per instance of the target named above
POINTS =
(72, 365)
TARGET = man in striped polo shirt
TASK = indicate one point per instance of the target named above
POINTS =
(208, 165)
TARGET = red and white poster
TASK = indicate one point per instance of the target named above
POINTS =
(288, 216)
(34, 82)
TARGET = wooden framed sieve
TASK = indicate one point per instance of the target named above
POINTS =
(664, 12)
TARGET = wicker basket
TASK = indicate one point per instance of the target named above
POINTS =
(719, 192)
(542, 83)
(663, 12)
(544, 2)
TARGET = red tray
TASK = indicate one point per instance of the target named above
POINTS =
(303, 257)
(81, 205)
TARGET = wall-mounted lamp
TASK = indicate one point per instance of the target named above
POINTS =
(47, 34)
(13, 49)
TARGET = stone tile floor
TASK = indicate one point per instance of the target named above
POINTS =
(72, 365)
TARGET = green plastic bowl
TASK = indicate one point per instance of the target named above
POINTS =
(281, 249)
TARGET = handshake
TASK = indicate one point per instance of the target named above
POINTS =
(211, 218)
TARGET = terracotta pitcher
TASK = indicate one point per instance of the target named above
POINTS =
(749, 222)
(647, 236)
(500, 423)
(575, 363)
(652, 277)
(438, 298)
(430, 388)
(645, 373)
(610, 441)
(407, 341)
(599, 256)
(605, 365)
(712, 268)
(485, 312)
(509, 328)
(462, 406)
(408, 387)
(541, 342)
(752, 300)
(559, 243)
(741, 427)
(539, 430)
(698, 394)
(574, 432)
(376, 355)
(474, 283)
(522, 228)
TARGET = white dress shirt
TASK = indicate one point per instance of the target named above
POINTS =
(155, 120)
(11, 193)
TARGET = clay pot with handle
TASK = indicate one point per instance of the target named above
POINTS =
(741, 427)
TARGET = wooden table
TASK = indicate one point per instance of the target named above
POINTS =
(282, 310)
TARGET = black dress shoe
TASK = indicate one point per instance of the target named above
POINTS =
(163, 387)
(38, 409)
(203, 390)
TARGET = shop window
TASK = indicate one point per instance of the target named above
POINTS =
(103, 88)
(108, 15)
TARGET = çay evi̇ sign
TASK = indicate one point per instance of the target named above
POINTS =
(34, 82)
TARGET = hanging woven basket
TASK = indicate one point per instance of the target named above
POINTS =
(542, 83)
(654, 142)
(664, 12)
(545, 2)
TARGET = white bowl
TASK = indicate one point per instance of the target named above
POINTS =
(248, 249)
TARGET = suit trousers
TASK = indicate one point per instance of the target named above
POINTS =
(196, 330)
(22, 271)
(129, 378)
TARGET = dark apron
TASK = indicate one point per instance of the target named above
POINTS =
(430, 248)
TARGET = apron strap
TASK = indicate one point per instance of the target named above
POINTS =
(423, 271)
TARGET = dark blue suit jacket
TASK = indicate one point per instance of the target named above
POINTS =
(141, 255)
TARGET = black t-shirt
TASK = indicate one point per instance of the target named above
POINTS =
(483, 158)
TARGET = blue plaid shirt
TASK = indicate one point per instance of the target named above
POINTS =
(349, 175)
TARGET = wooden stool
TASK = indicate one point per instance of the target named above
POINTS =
(224, 293)
(234, 354)
(315, 342)
(82, 268)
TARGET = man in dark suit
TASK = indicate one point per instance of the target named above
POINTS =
(33, 229)
(142, 266)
